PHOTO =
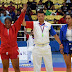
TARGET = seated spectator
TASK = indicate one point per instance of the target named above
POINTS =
(28, 17)
(31, 13)
(68, 1)
(1, 12)
(11, 7)
(59, 12)
(20, 8)
(64, 8)
(3, 7)
(33, 5)
(62, 20)
(69, 12)
(29, 3)
(2, 18)
(40, 6)
(12, 14)
(49, 5)
(17, 15)
(70, 6)
(55, 21)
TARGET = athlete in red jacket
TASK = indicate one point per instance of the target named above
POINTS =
(9, 48)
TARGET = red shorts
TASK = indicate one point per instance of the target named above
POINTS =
(10, 55)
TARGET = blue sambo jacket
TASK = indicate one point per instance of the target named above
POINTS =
(64, 40)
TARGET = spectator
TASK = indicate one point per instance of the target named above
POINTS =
(33, 5)
(21, 7)
(49, 5)
(70, 6)
(69, 12)
(55, 21)
(11, 7)
(28, 17)
(59, 12)
(40, 6)
(29, 3)
(17, 15)
(31, 13)
(62, 20)
(68, 1)
(2, 18)
(1, 12)
(12, 14)
(64, 8)
(3, 7)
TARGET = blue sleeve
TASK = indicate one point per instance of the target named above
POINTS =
(61, 35)
(52, 31)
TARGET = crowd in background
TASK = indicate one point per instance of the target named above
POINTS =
(14, 13)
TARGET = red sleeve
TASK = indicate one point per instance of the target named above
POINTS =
(1, 24)
(19, 21)
(59, 22)
(29, 24)
(27, 36)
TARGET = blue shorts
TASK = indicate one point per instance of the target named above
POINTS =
(70, 50)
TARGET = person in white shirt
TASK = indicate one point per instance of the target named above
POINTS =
(30, 45)
(42, 48)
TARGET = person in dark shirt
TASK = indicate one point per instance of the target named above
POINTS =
(17, 15)
(49, 5)
(70, 6)
(12, 14)
(62, 20)
(29, 3)
(33, 5)
(40, 6)
(3, 7)
(11, 6)
(64, 8)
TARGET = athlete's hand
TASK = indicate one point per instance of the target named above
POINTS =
(61, 49)
(24, 8)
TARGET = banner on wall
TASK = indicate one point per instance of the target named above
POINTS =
(22, 53)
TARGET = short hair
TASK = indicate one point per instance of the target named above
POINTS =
(8, 19)
(41, 11)
(11, 2)
(31, 30)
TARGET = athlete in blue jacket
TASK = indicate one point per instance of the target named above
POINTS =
(66, 40)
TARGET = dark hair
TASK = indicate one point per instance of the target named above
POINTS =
(31, 30)
(69, 15)
(41, 11)
(8, 19)
(11, 2)
(54, 19)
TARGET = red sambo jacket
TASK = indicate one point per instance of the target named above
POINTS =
(9, 42)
